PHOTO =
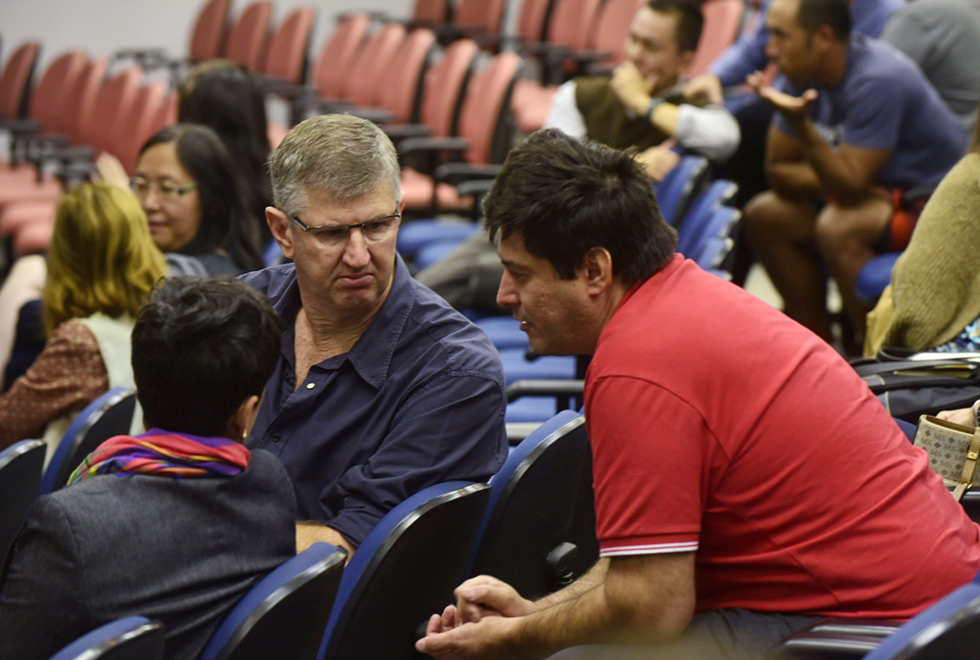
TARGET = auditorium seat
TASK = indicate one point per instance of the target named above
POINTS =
(538, 534)
(285, 613)
(128, 638)
(287, 54)
(20, 483)
(405, 569)
(249, 34)
(483, 140)
(15, 81)
(109, 415)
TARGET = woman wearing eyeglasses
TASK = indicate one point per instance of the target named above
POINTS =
(101, 268)
(194, 200)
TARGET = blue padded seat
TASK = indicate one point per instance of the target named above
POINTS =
(538, 533)
(20, 483)
(518, 367)
(109, 415)
(128, 638)
(285, 613)
(675, 191)
(875, 275)
(397, 577)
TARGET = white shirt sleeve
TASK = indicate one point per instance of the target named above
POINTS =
(564, 114)
(711, 131)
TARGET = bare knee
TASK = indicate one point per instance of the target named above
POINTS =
(770, 216)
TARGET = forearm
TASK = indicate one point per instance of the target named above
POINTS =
(608, 608)
(585, 619)
(308, 533)
(592, 579)
(838, 178)
(711, 131)
(793, 180)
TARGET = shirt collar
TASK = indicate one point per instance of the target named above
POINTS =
(371, 354)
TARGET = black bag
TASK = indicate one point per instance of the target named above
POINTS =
(911, 388)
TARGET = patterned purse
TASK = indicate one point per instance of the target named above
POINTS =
(953, 451)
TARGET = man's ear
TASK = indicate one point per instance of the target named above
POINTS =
(824, 37)
(685, 58)
(279, 226)
(597, 267)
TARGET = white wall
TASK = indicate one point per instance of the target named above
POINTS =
(101, 27)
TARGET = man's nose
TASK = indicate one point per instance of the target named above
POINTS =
(356, 251)
(506, 295)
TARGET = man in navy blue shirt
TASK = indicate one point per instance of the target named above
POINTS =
(856, 126)
(382, 388)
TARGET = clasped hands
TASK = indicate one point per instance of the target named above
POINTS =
(479, 625)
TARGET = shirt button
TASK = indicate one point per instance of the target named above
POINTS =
(310, 386)
(274, 437)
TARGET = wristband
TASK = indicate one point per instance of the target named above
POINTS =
(654, 102)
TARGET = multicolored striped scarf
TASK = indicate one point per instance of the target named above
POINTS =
(165, 454)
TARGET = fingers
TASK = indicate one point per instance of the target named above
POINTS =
(435, 625)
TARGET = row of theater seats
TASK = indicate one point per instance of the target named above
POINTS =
(77, 110)
(533, 526)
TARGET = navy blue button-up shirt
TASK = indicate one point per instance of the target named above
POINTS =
(418, 400)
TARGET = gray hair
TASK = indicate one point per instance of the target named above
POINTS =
(346, 157)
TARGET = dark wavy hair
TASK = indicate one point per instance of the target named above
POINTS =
(201, 347)
(227, 222)
(564, 197)
(225, 97)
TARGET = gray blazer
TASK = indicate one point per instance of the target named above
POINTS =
(180, 551)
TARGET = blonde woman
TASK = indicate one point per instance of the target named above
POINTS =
(102, 266)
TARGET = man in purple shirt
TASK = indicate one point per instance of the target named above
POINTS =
(382, 388)
(856, 126)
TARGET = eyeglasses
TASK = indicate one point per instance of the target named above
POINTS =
(374, 230)
(166, 189)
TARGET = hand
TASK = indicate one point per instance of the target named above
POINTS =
(485, 596)
(442, 623)
(962, 416)
(488, 639)
(705, 86)
(109, 169)
(793, 108)
(631, 87)
(657, 161)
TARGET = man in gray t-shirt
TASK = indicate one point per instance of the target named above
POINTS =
(856, 125)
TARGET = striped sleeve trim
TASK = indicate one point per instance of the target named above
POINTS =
(648, 549)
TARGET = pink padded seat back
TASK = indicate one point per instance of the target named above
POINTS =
(286, 57)
(444, 85)
(114, 103)
(50, 92)
(16, 78)
(722, 19)
(530, 24)
(488, 14)
(136, 125)
(337, 57)
(210, 29)
(247, 39)
(400, 85)
(613, 28)
(485, 104)
(572, 22)
(76, 117)
(430, 13)
(371, 64)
